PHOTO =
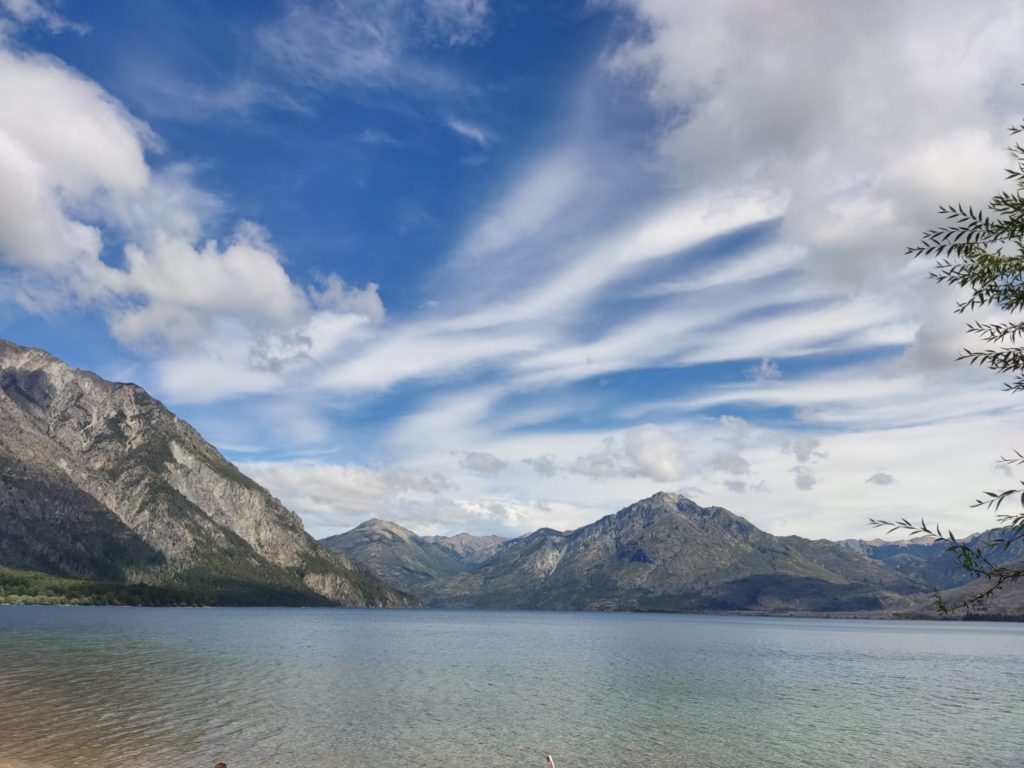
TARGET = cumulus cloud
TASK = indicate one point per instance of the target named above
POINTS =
(333, 498)
(741, 486)
(482, 462)
(808, 452)
(647, 450)
(601, 464)
(734, 433)
(731, 463)
(182, 287)
(655, 452)
(336, 497)
(804, 478)
(401, 480)
(806, 448)
(881, 478)
(904, 108)
(60, 195)
(332, 293)
(765, 370)
(45, 175)
(545, 466)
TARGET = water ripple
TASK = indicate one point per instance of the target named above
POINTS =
(345, 689)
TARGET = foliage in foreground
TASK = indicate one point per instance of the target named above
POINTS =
(20, 587)
(982, 251)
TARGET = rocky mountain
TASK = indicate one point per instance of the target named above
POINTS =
(396, 554)
(469, 549)
(664, 553)
(928, 562)
(99, 481)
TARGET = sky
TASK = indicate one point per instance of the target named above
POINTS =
(487, 267)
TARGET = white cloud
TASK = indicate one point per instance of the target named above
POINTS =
(601, 464)
(741, 486)
(376, 137)
(904, 106)
(184, 286)
(380, 44)
(590, 260)
(46, 171)
(533, 200)
(470, 131)
(730, 462)
(332, 293)
(458, 22)
(40, 11)
(545, 466)
(209, 377)
(803, 478)
(655, 452)
(765, 370)
(881, 478)
(806, 448)
(647, 451)
(73, 165)
(482, 463)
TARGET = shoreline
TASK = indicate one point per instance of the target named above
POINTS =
(866, 616)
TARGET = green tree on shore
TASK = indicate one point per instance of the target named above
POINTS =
(982, 251)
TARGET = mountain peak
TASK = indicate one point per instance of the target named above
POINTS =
(94, 461)
(378, 525)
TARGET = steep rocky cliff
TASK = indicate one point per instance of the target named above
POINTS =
(98, 480)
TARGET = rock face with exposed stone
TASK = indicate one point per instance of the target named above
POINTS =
(98, 480)
(664, 553)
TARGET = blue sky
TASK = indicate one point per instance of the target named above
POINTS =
(487, 267)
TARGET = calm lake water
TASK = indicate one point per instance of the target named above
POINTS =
(323, 688)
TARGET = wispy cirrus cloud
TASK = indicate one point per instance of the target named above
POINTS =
(470, 131)
(612, 316)
(373, 44)
(27, 12)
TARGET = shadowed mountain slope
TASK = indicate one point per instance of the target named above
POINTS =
(664, 553)
(396, 554)
(667, 553)
(929, 562)
(100, 481)
(467, 548)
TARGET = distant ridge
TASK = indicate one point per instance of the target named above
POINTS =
(99, 481)
(395, 554)
(664, 553)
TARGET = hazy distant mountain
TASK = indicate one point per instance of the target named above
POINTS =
(467, 548)
(99, 481)
(396, 554)
(662, 553)
(928, 562)
(408, 561)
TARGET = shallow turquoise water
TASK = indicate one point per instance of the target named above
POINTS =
(345, 688)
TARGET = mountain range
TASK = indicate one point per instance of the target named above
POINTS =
(664, 553)
(100, 483)
(107, 496)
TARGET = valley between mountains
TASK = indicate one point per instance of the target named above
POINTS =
(108, 497)
(664, 553)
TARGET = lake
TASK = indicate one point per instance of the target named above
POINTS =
(319, 688)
